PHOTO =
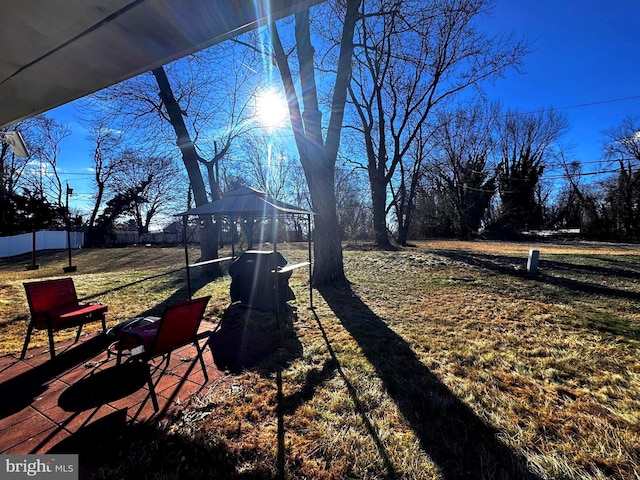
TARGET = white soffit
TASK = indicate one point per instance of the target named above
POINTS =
(55, 51)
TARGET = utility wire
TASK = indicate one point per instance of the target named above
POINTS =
(580, 105)
(581, 174)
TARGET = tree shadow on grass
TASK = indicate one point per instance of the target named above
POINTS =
(608, 267)
(178, 280)
(514, 266)
(250, 339)
(461, 444)
(504, 265)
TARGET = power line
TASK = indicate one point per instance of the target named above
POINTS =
(581, 174)
(580, 105)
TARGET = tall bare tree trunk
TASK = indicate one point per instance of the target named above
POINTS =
(318, 156)
(379, 208)
(191, 159)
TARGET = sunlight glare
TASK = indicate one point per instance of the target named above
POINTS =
(271, 109)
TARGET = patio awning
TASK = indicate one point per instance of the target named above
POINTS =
(55, 51)
(247, 201)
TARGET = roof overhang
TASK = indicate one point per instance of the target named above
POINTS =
(55, 51)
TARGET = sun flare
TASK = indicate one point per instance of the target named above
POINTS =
(271, 109)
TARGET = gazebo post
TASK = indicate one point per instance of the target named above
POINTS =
(186, 254)
(274, 231)
(249, 202)
(233, 229)
(274, 240)
(309, 252)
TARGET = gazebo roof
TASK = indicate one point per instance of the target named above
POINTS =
(246, 201)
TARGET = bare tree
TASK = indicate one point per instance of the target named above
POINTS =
(107, 156)
(209, 233)
(461, 166)
(29, 191)
(622, 150)
(622, 143)
(354, 209)
(318, 154)
(411, 58)
(410, 172)
(526, 143)
(578, 205)
(160, 181)
(12, 167)
(47, 136)
(123, 203)
(200, 110)
(266, 163)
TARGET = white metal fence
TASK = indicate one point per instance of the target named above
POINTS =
(45, 240)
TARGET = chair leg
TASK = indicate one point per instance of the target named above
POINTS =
(52, 350)
(104, 324)
(200, 357)
(119, 354)
(78, 334)
(111, 346)
(152, 390)
(26, 340)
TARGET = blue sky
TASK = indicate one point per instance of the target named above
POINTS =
(583, 53)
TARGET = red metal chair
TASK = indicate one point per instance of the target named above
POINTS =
(177, 327)
(54, 306)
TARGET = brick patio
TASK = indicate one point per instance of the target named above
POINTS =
(43, 402)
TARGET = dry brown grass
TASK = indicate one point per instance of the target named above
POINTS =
(131, 281)
(446, 360)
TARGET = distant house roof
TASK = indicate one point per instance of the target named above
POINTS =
(246, 201)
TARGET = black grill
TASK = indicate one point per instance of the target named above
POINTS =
(253, 283)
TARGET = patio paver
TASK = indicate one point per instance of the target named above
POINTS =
(45, 401)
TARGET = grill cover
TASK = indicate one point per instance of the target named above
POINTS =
(253, 283)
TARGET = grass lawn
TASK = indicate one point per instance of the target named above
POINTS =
(445, 360)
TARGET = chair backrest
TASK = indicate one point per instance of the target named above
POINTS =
(179, 325)
(49, 295)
